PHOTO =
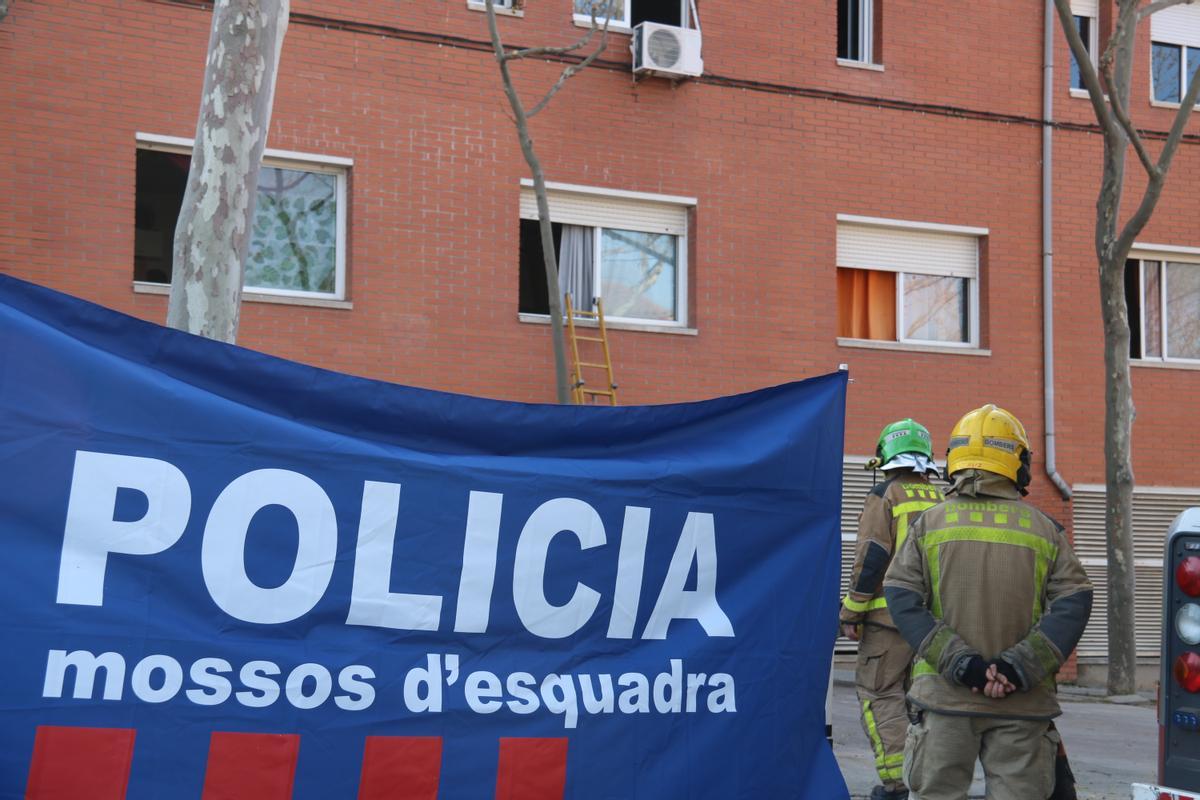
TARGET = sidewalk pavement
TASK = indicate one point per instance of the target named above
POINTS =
(1109, 745)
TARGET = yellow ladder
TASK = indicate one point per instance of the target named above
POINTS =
(579, 390)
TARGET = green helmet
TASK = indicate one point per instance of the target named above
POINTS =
(904, 436)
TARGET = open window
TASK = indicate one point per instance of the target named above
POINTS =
(628, 250)
(859, 28)
(1086, 18)
(627, 13)
(298, 240)
(1163, 298)
(914, 283)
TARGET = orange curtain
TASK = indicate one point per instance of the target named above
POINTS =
(866, 304)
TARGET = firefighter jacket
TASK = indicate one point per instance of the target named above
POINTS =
(984, 573)
(882, 527)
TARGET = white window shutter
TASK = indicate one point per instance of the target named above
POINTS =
(600, 211)
(1085, 8)
(923, 252)
(1176, 25)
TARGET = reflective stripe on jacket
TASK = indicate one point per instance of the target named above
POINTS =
(984, 573)
(883, 526)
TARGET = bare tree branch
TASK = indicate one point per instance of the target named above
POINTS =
(574, 68)
(1122, 118)
(1159, 5)
(1140, 216)
(1087, 69)
(537, 52)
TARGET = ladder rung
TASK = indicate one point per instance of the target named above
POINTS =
(590, 364)
(605, 392)
(589, 338)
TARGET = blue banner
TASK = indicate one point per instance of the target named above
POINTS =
(227, 574)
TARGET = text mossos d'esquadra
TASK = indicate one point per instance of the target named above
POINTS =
(428, 689)
(92, 534)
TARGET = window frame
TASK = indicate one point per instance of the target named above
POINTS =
(972, 315)
(625, 25)
(1178, 255)
(973, 282)
(1182, 81)
(337, 166)
(1093, 45)
(866, 34)
(507, 8)
(680, 320)
(682, 310)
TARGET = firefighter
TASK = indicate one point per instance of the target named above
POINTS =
(905, 455)
(989, 594)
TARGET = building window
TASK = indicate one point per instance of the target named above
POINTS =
(628, 13)
(297, 244)
(1172, 69)
(914, 283)
(511, 8)
(1174, 51)
(857, 23)
(629, 251)
(1087, 32)
(1163, 298)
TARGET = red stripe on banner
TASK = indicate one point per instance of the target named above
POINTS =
(532, 769)
(401, 768)
(242, 766)
(70, 763)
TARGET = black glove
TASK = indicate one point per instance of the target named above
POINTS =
(1009, 671)
(971, 672)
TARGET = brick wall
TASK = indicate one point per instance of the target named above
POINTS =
(433, 232)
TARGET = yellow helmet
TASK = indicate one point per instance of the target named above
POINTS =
(992, 439)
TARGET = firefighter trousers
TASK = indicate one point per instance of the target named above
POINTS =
(881, 680)
(1017, 756)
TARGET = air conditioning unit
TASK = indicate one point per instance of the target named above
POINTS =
(666, 50)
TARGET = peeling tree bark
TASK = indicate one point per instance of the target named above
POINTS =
(1109, 89)
(213, 232)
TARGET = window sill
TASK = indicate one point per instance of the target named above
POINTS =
(645, 327)
(1153, 364)
(849, 62)
(1165, 104)
(879, 344)
(1081, 93)
(143, 287)
(503, 12)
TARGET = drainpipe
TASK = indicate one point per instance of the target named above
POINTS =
(1048, 249)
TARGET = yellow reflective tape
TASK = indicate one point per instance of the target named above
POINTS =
(911, 506)
(891, 774)
(923, 667)
(860, 607)
(900, 513)
(1044, 551)
(1039, 545)
(873, 735)
(951, 516)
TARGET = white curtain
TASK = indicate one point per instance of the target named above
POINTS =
(576, 270)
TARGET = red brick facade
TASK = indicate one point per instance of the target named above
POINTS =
(774, 142)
